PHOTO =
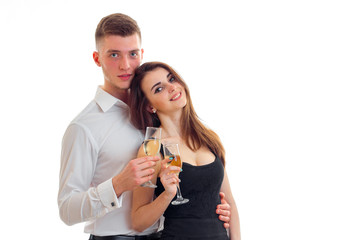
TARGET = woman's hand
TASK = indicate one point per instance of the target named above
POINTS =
(169, 177)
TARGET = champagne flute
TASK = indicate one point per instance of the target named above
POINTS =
(151, 147)
(171, 151)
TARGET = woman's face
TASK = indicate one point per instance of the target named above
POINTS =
(164, 92)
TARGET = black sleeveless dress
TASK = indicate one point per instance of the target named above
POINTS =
(196, 219)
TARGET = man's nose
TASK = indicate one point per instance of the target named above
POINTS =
(124, 63)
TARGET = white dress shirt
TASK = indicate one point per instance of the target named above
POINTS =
(96, 146)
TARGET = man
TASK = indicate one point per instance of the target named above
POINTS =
(98, 165)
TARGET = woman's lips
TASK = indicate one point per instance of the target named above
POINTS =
(176, 97)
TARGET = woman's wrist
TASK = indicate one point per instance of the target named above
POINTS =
(168, 195)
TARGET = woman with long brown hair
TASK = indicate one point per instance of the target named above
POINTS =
(160, 98)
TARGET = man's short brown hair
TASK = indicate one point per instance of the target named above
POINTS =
(116, 24)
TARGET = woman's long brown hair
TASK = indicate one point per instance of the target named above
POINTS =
(195, 133)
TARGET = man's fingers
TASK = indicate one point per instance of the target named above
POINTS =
(141, 160)
(225, 206)
(146, 165)
(224, 219)
(147, 172)
(222, 195)
(147, 178)
(223, 212)
(222, 198)
(140, 164)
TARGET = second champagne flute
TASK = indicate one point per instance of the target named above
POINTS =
(171, 151)
(151, 147)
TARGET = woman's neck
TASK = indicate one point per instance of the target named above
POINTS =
(170, 125)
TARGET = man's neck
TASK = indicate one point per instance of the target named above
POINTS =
(121, 94)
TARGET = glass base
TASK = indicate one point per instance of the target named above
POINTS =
(180, 201)
(148, 184)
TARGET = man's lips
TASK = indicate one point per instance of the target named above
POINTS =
(124, 77)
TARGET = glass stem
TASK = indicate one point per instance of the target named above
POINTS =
(178, 193)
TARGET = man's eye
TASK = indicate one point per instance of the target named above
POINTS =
(114, 55)
(134, 54)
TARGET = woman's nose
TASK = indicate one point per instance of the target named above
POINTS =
(171, 88)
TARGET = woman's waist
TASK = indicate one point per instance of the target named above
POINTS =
(194, 226)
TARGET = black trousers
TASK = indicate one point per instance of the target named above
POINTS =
(153, 236)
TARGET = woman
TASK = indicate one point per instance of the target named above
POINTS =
(160, 98)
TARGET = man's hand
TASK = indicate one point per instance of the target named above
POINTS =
(223, 210)
(136, 172)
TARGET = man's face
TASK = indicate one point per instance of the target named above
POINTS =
(118, 57)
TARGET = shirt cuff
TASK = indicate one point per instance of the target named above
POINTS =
(108, 196)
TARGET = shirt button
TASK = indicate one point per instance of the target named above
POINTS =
(113, 204)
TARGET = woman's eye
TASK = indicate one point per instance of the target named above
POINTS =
(172, 79)
(159, 89)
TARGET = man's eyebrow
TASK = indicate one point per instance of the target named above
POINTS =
(117, 51)
(156, 84)
(112, 50)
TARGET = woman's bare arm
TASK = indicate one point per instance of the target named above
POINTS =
(235, 221)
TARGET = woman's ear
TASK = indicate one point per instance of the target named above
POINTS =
(150, 109)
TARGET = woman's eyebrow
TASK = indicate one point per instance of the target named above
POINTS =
(156, 84)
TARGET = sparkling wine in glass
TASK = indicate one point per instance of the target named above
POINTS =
(171, 152)
(151, 147)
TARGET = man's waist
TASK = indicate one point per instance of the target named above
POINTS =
(153, 236)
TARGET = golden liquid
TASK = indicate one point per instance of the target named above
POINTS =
(175, 162)
(151, 147)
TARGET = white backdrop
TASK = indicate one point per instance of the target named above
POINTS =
(277, 80)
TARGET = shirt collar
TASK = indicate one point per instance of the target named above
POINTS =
(106, 100)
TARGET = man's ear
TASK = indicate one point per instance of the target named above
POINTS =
(96, 58)
(142, 54)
